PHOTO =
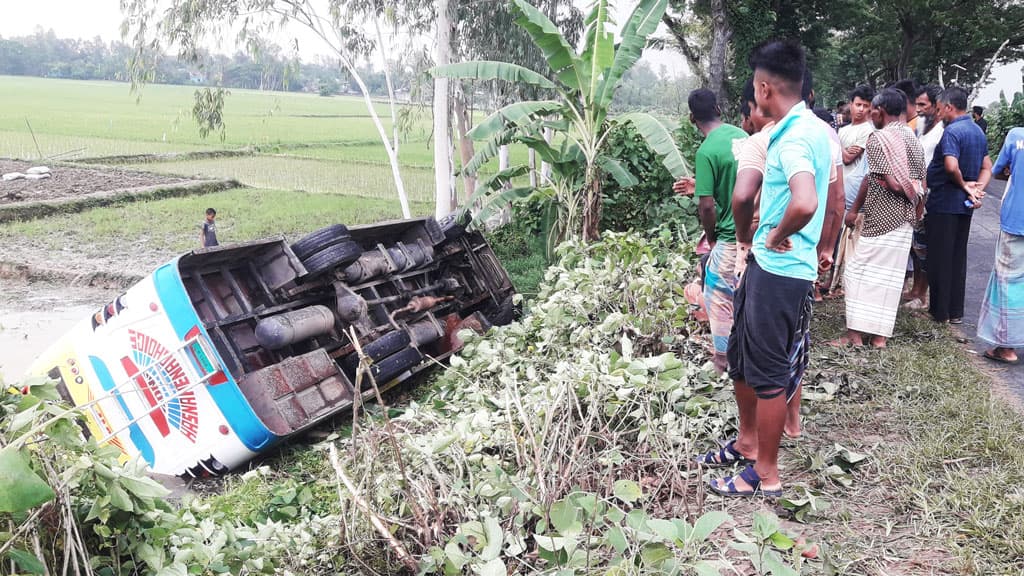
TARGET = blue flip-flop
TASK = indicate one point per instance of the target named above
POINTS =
(724, 457)
(751, 478)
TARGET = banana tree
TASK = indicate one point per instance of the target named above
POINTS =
(582, 90)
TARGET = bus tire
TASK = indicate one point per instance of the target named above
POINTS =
(391, 367)
(382, 347)
(336, 256)
(322, 238)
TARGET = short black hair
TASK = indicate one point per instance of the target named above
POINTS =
(892, 100)
(807, 88)
(956, 96)
(783, 59)
(862, 91)
(907, 86)
(979, 110)
(747, 97)
(211, 212)
(825, 115)
(703, 105)
(929, 90)
(840, 104)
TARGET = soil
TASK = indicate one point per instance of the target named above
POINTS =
(71, 181)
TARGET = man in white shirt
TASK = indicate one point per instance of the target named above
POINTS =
(929, 131)
(854, 138)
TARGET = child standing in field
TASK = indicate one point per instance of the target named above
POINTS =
(208, 235)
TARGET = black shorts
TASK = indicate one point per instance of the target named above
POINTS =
(770, 339)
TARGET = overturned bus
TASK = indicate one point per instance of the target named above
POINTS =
(223, 352)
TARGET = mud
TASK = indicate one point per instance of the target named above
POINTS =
(72, 181)
(34, 314)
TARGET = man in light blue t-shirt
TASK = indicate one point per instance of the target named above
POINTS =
(768, 346)
(1001, 322)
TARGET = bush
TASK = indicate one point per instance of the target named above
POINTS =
(651, 203)
(1002, 117)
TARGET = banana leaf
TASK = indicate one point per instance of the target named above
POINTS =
(659, 138)
(490, 70)
(561, 57)
(622, 176)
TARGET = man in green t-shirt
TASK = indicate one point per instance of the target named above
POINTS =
(715, 175)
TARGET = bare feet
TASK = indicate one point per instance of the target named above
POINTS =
(878, 341)
(847, 340)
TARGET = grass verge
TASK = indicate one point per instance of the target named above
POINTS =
(943, 490)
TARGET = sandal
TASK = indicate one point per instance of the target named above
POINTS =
(724, 457)
(988, 354)
(751, 478)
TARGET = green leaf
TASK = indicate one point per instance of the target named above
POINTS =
(622, 176)
(565, 518)
(665, 529)
(617, 538)
(491, 70)
(515, 115)
(494, 567)
(781, 541)
(707, 524)
(659, 138)
(705, 568)
(495, 539)
(774, 564)
(143, 487)
(654, 555)
(26, 561)
(176, 569)
(549, 39)
(598, 49)
(20, 487)
(119, 498)
(627, 491)
(765, 524)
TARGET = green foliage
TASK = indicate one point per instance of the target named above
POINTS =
(1002, 117)
(635, 207)
(97, 512)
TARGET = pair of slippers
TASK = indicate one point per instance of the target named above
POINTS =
(727, 456)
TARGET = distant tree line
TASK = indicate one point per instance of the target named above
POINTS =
(265, 67)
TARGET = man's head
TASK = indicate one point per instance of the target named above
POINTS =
(952, 103)
(703, 107)
(888, 106)
(860, 103)
(926, 100)
(807, 88)
(210, 214)
(778, 67)
(977, 112)
(753, 118)
(908, 87)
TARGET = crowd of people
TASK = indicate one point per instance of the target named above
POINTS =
(871, 203)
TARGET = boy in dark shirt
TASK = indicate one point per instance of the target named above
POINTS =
(208, 235)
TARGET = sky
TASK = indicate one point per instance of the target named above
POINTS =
(90, 18)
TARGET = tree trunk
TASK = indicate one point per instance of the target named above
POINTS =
(464, 123)
(504, 162)
(444, 200)
(387, 80)
(721, 34)
(545, 168)
(592, 208)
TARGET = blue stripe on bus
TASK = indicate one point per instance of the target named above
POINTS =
(135, 432)
(178, 308)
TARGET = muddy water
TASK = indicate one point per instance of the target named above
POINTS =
(34, 316)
